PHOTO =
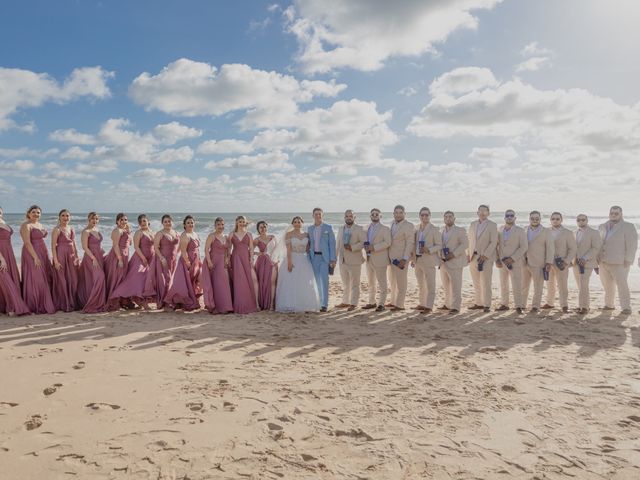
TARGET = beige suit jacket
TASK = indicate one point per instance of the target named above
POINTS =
(486, 243)
(402, 242)
(381, 243)
(621, 245)
(457, 244)
(354, 256)
(432, 245)
(541, 249)
(515, 246)
(564, 245)
(589, 247)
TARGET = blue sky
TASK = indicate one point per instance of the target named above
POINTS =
(280, 106)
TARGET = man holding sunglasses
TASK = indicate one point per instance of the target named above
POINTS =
(376, 247)
(512, 248)
(588, 245)
(483, 241)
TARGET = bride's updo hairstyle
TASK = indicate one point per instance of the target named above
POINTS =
(297, 218)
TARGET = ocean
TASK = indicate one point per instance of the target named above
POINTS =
(278, 222)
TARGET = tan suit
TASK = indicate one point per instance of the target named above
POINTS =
(564, 244)
(618, 251)
(402, 245)
(426, 263)
(350, 262)
(377, 262)
(483, 244)
(515, 247)
(451, 270)
(540, 251)
(588, 245)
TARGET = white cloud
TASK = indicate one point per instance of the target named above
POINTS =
(190, 88)
(534, 49)
(62, 172)
(408, 91)
(363, 34)
(27, 152)
(533, 64)
(75, 153)
(71, 136)
(264, 161)
(170, 133)
(22, 89)
(224, 147)
(99, 166)
(463, 80)
(495, 156)
(16, 166)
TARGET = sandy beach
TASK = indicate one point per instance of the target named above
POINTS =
(354, 395)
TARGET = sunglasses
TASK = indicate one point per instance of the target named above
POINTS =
(509, 215)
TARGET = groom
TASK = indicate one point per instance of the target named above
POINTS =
(322, 253)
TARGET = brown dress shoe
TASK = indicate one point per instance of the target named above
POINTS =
(369, 306)
(502, 308)
(565, 309)
(419, 307)
(342, 305)
(486, 309)
(453, 311)
(546, 306)
(476, 307)
(443, 307)
(350, 308)
(519, 310)
(534, 310)
(389, 305)
(426, 311)
(380, 308)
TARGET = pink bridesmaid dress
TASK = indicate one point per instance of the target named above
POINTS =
(185, 288)
(133, 285)
(114, 275)
(244, 298)
(264, 271)
(65, 280)
(36, 281)
(160, 276)
(92, 285)
(215, 282)
(10, 298)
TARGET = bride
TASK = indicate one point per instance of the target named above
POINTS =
(296, 290)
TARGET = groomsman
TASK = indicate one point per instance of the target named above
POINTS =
(425, 258)
(454, 259)
(402, 238)
(619, 245)
(377, 249)
(539, 257)
(564, 245)
(512, 248)
(322, 253)
(351, 238)
(483, 241)
(588, 245)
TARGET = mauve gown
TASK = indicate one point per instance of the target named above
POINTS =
(10, 298)
(65, 281)
(36, 281)
(216, 285)
(92, 284)
(264, 271)
(185, 288)
(134, 283)
(114, 275)
(160, 276)
(244, 298)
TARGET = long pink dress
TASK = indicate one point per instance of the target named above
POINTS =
(36, 281)
(114, 275)
(92, 284)
(134, 283)
(10, 298)
(65, 280)
(244, 298)
(216, 284)
(185, 287)
(264, 271)
(160, 276)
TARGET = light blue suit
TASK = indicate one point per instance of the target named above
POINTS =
(320, 263)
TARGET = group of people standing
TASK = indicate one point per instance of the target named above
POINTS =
(241, 273)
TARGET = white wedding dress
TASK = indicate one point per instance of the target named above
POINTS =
(297, 290)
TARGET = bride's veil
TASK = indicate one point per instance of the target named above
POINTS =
(280, 251)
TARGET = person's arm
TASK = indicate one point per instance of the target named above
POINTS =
(523, 245)
(386, 240)
(436, 246)
(462, 246)
(115, 247)
(287, 241)
(74, 247)
(572, 247)
(84, 239)
(137, 238)
(54, 248)
(409, 246)
(493, 240)
(332, 247)
(550, 249)
(184, 242)
(25, 233)
(207, 250)
(156, 246)
(3, 264)
(631, 244)
(594, 250)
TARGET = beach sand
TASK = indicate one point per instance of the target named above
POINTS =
(354, 395)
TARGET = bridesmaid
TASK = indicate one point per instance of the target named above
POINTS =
(11, 301)
(266, 268)
(65, 264)
(185, 289)
(116, 263)
(35, 264)
(244, 280)
(215, 271)
(92, 294)
(163, 267)
(133, 286)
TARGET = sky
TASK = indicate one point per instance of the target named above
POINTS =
(203, 106)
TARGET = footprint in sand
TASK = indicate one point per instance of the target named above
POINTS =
(35, 421)
(51, 390)
(195, 406)
(79, 366)
(102, 406)
(8, 404)
(228, 406)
